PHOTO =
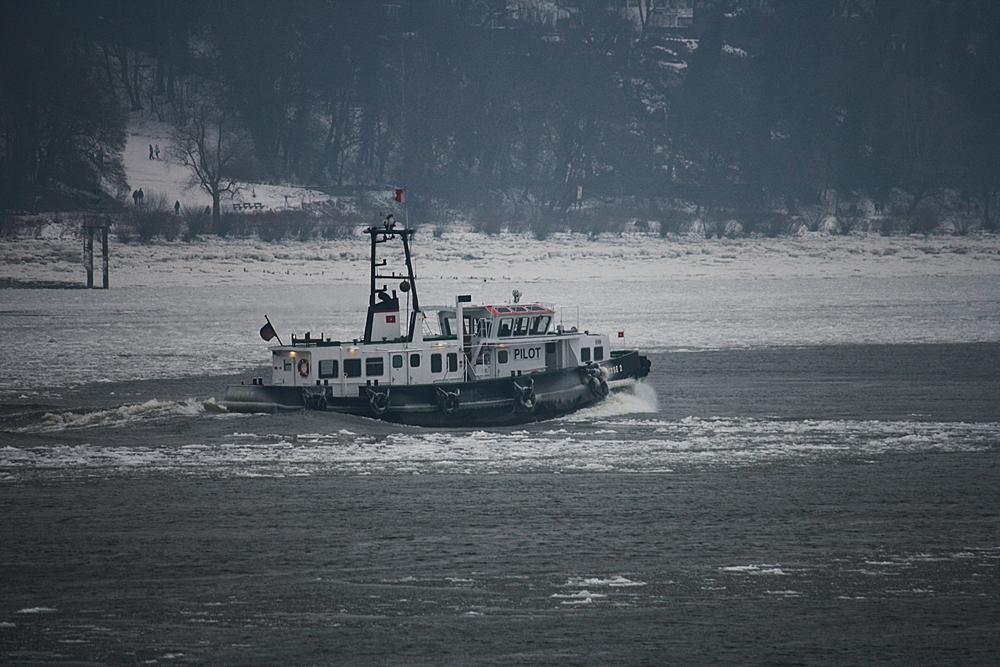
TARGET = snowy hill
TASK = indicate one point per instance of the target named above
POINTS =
(173, 181)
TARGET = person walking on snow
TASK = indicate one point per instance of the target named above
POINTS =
(140, 196)
(151, 151)
(135, 197)
(177, 208)
(157, 151)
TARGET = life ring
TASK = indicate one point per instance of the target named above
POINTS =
(524, 396)
(303, 367)
(378, 401)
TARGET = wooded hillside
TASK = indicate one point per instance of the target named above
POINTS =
(757, 112)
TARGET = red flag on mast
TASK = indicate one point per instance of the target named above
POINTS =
(401, 195)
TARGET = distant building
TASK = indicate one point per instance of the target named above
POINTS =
(671, 14)
(662, 14)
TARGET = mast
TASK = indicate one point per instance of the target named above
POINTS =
(381, 235)
(413, 285)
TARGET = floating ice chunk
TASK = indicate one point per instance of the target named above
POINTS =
(614, 582)
(754, 569)
(581, 595)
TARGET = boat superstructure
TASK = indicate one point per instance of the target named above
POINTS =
(455, 365)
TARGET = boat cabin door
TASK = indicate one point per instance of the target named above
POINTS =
(397, 368)
(552, 355)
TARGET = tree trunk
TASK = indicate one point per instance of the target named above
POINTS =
(160, 76)
(987, 223)
(130, 91)
(216, 209)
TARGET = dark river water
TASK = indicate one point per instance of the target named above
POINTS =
(784, 506)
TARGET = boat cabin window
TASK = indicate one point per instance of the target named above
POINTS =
(598, 353)
(352, 368)
(452, 362)
(435, 363)
(374, 366)
(505, 326)
(584, 354)
(521, 326)
(397, 361)
(414, 360)
(482, 328)
(539, 325)
(502, 356)
(288, 365)
(450, 328)
(328, 368)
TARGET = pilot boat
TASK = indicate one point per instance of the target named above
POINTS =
(462, 365)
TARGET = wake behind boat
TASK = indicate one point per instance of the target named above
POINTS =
(511, 364)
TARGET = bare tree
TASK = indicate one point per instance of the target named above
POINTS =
(209, 140)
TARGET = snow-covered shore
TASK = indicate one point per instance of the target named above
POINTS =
(57, 257)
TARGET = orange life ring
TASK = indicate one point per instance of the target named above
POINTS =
(304, 367)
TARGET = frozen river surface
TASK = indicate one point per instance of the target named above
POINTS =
(809, 476)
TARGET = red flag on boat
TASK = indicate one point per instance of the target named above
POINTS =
(401, 195)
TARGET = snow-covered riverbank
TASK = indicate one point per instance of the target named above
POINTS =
(57, 257)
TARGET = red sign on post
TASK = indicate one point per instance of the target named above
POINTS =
(621, 334)
(390, 319)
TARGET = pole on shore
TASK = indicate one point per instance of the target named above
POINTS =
(104, 254)
(88, 256)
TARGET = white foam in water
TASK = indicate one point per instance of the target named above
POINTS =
(119, 416)
(621, 444)
(637, 399)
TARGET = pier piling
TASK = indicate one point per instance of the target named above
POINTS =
(89, 227)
